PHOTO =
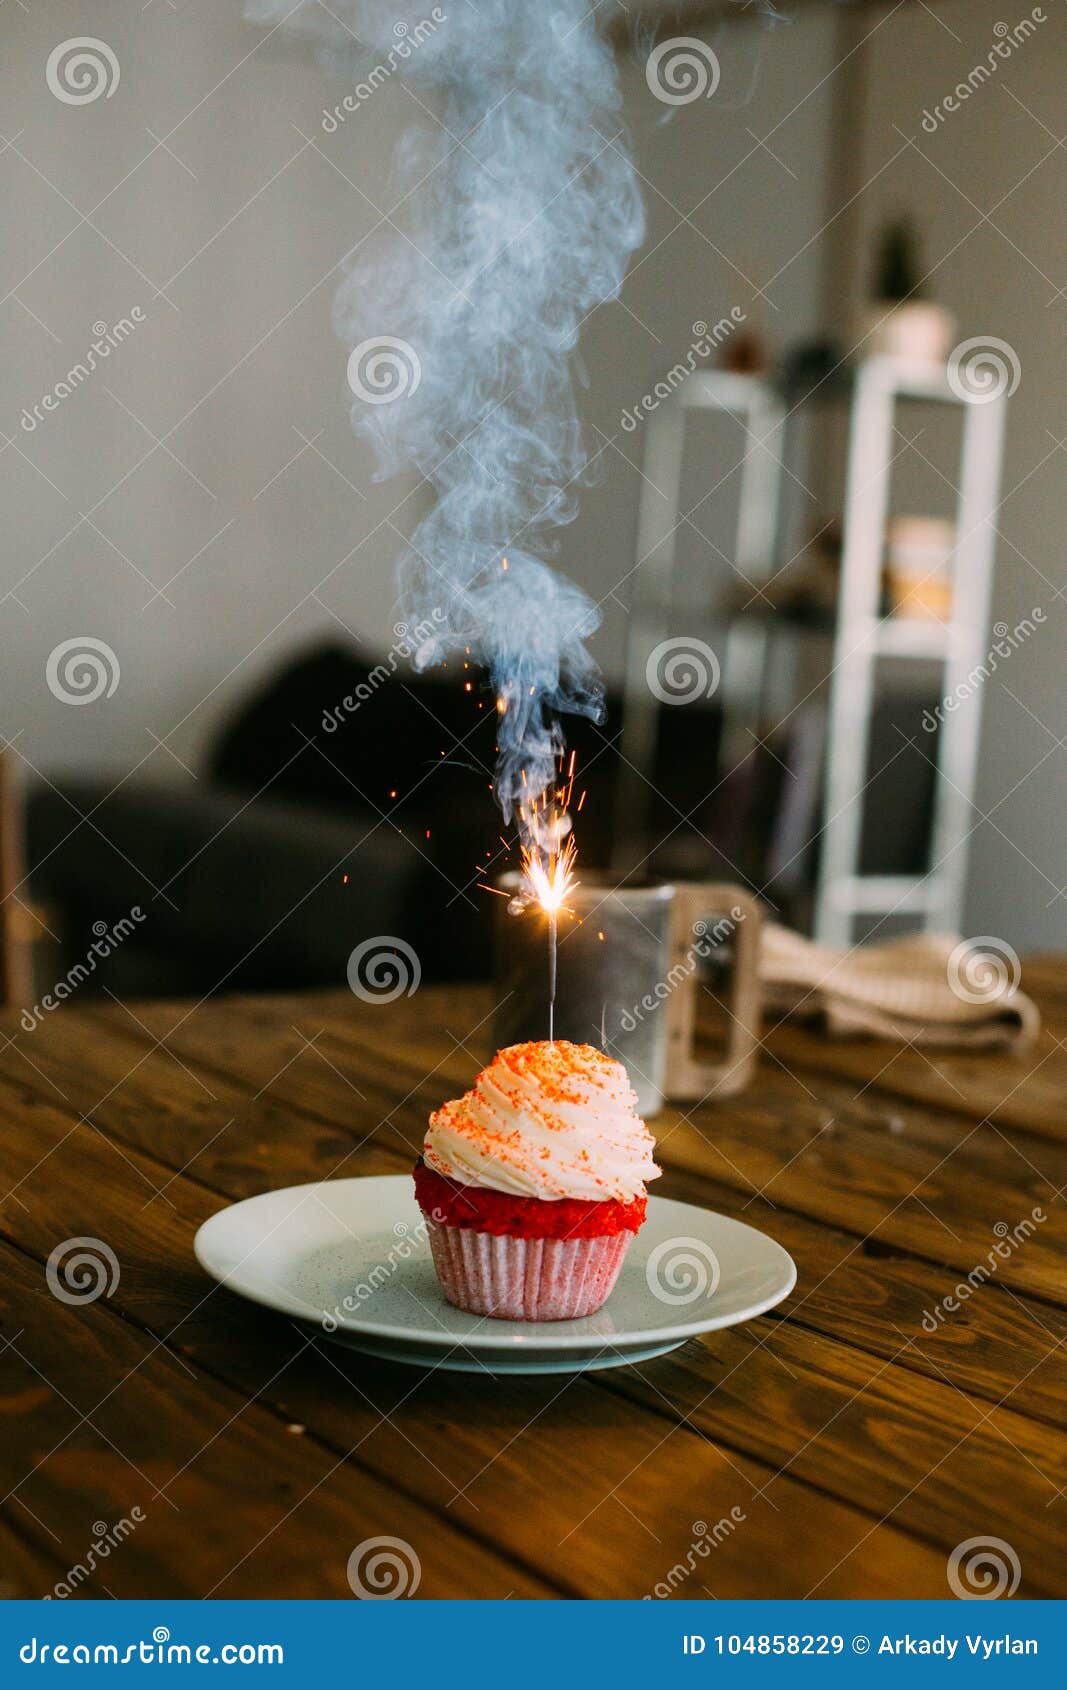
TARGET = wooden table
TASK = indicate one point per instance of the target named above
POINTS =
(849, 1447)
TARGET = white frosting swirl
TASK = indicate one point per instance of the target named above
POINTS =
(546, 1120)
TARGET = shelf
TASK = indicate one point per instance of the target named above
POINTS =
(721, 390)
(728, 390)
(878, 894)
(905, 378)
(910, 636)
(888, 636)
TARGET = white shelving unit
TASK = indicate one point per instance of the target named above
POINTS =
(862, 635)
(759, 410)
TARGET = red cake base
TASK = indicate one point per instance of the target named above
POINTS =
(497, 1212)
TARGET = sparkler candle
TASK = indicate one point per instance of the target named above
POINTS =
(548, 871)
(550, 887)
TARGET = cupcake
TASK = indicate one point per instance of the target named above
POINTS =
(533, 1183)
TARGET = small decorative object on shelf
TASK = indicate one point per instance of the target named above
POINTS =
(918, 567)
(898, 322)
(747, 352)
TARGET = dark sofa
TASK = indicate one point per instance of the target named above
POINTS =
(242, 874)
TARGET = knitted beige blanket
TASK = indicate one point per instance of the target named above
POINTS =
(926, 988)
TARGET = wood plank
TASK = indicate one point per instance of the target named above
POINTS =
(883, 1292)
(149, 1099)
(1019, 1093)
(423, 1031)
(927, 1183)
(239, 1036)
(874, 1298)
(27, 1569)
(1023, 1092)
(942, 1202)
(842, 1366)
(234, 1502)
(931, 1460)
(584, 1483)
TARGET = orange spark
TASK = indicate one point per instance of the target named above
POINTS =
(550, 874)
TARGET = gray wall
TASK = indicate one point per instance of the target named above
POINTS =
(183, 465)
(237, 366)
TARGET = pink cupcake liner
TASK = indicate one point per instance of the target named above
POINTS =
(526, 1278)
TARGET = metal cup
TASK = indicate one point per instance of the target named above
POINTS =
(628, 966)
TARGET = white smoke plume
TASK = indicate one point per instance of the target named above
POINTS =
(525, 211)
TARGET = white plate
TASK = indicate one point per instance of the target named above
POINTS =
(351, 1257)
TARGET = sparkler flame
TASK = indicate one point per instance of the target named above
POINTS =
(548, 858)
(548, 869)
(551, 877)
(548, 864)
